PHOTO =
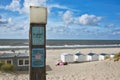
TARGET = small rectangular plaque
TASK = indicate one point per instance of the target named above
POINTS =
(38, 57)
(37, 35)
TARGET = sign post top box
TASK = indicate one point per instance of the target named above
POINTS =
(38, 15)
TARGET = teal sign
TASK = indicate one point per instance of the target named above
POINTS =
(37, 35)
(38, 57)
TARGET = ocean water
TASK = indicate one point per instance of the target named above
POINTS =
(24, 43)
(82, 43)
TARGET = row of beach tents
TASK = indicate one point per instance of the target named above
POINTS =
(79, 57)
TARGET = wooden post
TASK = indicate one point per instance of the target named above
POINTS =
(37, 43)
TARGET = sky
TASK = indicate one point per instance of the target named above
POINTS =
(67, 19)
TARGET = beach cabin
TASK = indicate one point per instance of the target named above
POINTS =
(92, 57)
(22, 62)
(112, 55)
(102, 56)
(78, 57)
(7, 58)
(19, 60)
(65, 57)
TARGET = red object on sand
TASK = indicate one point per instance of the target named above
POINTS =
(61, 63)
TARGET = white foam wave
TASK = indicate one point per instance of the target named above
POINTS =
(7, 47)
(65, 46)
(82, 46)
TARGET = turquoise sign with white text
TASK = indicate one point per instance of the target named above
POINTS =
(37, 35)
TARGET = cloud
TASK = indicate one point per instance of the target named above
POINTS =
(0, 17)
(67, 17)
(110, 25)
(9, 20)
(28, 3)
(14, 5)
(116, 32)
(5, 21)
(13, 24)
(57, 6)
(56, 28)
(90, 20)
(18, 28)
(38, 2)
(51, 6)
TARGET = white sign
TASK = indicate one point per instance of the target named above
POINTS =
(38, 14)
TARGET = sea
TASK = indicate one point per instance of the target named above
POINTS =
(59, 44)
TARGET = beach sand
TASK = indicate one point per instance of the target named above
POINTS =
(96, 70)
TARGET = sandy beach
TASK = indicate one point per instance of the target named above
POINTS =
(97, 70)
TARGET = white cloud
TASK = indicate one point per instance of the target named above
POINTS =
(56, 6)
(110, 25)
(86, 19)
(4, 20)
(14, 5)
(28, 3)
(0, 17)
(38, 2)
(116, 32)
(2, 7)
(9, 20)
(67, 17)
(13, 24)
(60, 7)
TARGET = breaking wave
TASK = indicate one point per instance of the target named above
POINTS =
(65, 46)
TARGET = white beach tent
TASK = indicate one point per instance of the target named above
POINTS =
(66, 57)
(102, 56)
(78, 57)
(92, 57)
